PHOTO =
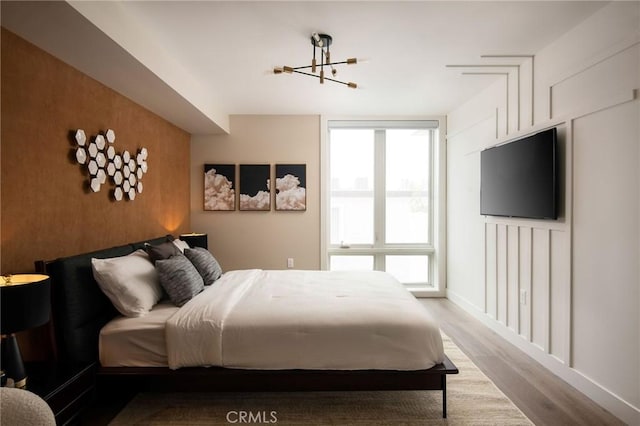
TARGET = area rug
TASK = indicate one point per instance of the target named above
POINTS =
(472, 399)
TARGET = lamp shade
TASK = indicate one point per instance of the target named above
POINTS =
(195, 240)
(25, 302)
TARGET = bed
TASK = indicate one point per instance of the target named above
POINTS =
(88, 329)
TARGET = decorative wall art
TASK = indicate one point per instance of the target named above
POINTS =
(255, 187)
(125, 171)
(291, 183)
(219, 187)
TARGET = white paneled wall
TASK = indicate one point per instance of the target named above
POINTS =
(567, 292)
(606, 248)
(533, 260)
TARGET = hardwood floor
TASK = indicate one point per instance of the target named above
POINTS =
(544, 398)
(540, 395)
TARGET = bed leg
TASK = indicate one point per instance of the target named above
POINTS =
(443, 380)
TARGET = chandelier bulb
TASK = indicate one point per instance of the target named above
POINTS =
(313, 65)
(352, 85)
(334, 71)
(321, 76)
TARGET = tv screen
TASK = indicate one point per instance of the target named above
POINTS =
(519, 178)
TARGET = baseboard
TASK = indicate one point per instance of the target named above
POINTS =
(601, 396)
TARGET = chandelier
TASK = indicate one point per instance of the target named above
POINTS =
(322, 42)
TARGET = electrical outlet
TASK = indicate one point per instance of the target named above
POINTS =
(523, 296)
(290, 262)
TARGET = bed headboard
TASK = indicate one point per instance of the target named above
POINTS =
(79, 307)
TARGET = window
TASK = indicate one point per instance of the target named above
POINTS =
(381, 204)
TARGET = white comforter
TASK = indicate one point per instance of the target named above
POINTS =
(257, 319)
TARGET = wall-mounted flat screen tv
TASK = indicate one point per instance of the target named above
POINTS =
(520, 178)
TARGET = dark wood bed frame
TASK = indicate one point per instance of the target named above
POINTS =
(80, 310)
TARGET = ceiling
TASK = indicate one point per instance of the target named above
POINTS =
(197, 62)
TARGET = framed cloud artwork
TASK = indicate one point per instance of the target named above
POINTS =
(255, 187)
(291, 184)
(219, 187)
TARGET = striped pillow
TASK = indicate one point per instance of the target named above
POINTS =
(205, 263)
(179, 278)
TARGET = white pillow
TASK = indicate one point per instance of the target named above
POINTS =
(131, 282)
(182, 245)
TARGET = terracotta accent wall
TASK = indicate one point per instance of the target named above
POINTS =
(46, 210)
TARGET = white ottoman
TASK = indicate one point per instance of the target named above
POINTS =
(20, 407)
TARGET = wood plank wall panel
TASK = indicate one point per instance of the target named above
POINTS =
(501, 273)
(535, 260)
(559, 294)
(46, 212)
(491, 231)
(568, 94)
(606, 287)
(525, 282)
(513, 274)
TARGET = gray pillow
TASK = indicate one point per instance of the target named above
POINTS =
(161, 251)
(179, 278)
(205, 263)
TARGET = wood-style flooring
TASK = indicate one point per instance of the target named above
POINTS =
(542, 396)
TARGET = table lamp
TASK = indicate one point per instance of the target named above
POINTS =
(195, 240)
(25, 302)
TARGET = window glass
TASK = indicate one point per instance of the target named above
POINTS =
(351, 263)
(407, 186)
(351, 181)
(409, 269)
(379, 184)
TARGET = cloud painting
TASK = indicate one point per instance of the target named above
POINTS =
(219, 191)
(255, 191)
(291, 182)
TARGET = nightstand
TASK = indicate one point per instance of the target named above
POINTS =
(67, 388)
